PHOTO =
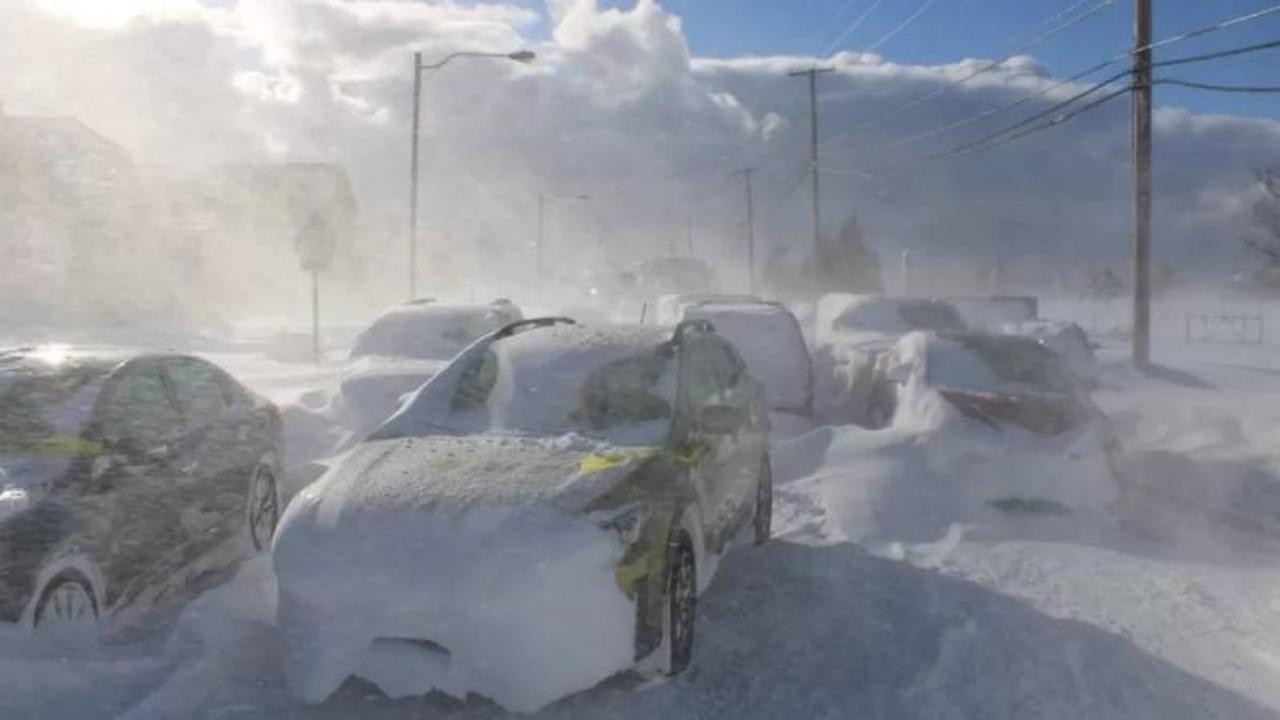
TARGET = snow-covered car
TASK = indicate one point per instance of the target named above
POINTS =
(669, 309)
(989, 312)
(126, 478)
(1065, 338)
(405, 347)
(673, 276)
(1018, 388)
(540, 516)
(770, 341)
(849, 333)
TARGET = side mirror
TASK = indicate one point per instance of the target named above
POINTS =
(721, 419)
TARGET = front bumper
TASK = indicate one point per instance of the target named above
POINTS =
(521, 605)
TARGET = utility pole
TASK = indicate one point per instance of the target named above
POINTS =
(812, 73)
(315, 314)
(1141, 127)
(751, 231)
(688, 233)
(413, 179)
(520, 56)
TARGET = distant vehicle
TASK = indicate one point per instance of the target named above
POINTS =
(1067, 339)
(669, 309)
(126, 480)
(674, 276)
(990, 312)
(405, 347)
(769, 339)
(857, 319)
(1004, 382)
(541, 515)
(849, 332)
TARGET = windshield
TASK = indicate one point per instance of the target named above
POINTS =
(885, 315)
(521, 386)
(993, 364)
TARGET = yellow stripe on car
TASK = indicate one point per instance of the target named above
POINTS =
(604, 461)
(53, 445)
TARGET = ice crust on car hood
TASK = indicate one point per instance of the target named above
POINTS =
(406, 473)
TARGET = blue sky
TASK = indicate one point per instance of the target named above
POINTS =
(952, 29)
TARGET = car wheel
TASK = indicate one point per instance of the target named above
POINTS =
(682, 602)
(67, 603)
(762, 523)
(263, 507)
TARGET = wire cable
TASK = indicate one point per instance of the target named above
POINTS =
(987, 67)
(857, 23)
(1221, 25)
(1027, 126)
(1218, 88)
(912, 18)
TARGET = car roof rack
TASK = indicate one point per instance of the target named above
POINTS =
(421, 301)
(530, 323)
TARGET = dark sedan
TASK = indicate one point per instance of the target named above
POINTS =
(127, 480)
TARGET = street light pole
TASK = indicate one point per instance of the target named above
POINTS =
(413, 179)
(521, 56)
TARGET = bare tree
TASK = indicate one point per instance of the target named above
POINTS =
(1265, 240)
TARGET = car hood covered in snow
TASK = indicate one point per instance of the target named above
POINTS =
(429, 472)
(462, 564)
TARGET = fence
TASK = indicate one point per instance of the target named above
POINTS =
(1224, 328)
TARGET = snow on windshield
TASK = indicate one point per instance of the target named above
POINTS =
(888, 315)
(995, 364)
(618, 384)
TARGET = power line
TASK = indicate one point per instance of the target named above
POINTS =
(1026, 127)
(1218, 88)
(990, 142)
(1022, 47)
(852, 27)
(983, 69)
(1203, 57)
(912, 18)
(1221, 25)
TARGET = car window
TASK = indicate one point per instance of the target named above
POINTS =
(701, 385)
(624, 392)
(476, 383)
(934, 316)
(201, 392)
(141, 409)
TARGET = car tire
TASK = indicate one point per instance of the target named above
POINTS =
(762, 520)
(262, 507)
(66, 599)
(682, 602)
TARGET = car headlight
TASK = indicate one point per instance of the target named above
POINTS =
(627, 522)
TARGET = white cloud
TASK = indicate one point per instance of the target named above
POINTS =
(617, 107)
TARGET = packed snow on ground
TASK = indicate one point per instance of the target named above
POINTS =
(905, 609)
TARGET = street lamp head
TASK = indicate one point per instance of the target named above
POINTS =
(522, 56)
